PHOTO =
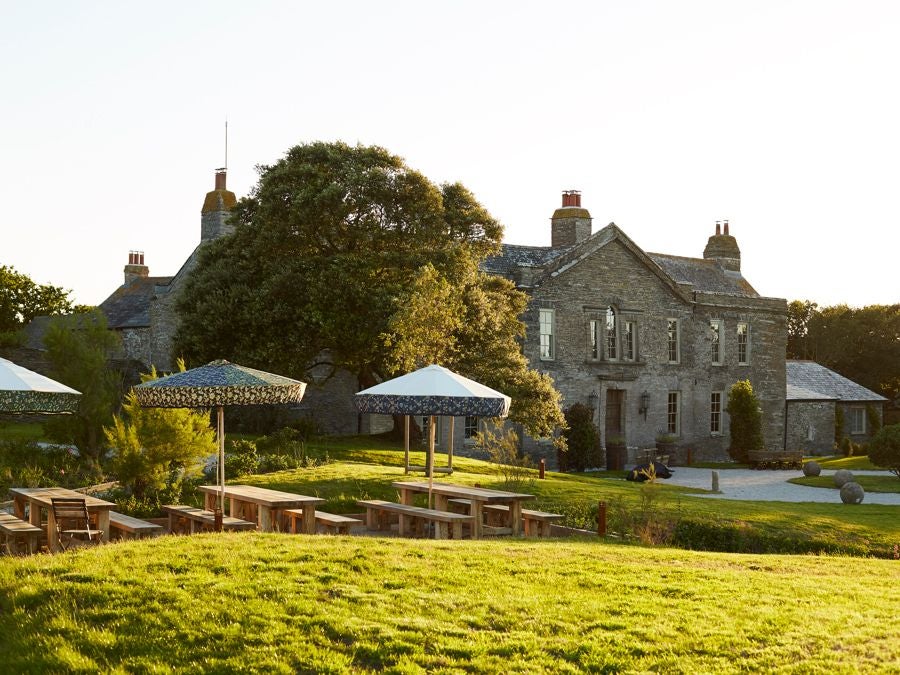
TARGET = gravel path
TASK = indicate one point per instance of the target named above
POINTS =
(769, 486)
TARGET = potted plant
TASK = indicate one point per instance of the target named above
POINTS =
(616, 452)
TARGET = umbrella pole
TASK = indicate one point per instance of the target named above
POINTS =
(450, 446)
(220, 433)
(406, 441)
(430, 457)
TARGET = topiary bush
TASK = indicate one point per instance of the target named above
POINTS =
(884, 449)
(582, 439)
(746, 421)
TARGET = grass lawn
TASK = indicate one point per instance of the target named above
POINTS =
(364, 468)
(859, 463)
(285, 604)
(18, 431)
(887, 483)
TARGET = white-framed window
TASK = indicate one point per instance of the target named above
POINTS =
(628, 341)
(743, 343)
(612, 351)
(857, 420)
(715, 413)
(548, 346)
(715, 334)
(673, 341)
(470, 428)
(673, 413)
(593, 332)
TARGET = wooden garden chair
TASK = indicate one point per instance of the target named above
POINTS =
(73, 522)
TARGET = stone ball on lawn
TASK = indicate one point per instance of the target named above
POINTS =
(812, 469)
(842, 476)
(852, 493)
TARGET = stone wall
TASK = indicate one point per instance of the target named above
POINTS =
(810, 427)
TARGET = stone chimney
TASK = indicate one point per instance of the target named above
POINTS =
(135, 269)
(723, 248)
(570, 223)
(216, 210)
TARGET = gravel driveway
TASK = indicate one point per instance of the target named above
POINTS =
(769, 486)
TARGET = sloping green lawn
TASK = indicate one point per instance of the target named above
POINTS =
(887, 483)
(291, 603)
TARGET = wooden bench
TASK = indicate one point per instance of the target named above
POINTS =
(446, 523)
(128, 527)
(16, 532)
(195, 519)
(332, 522)
(775, 459)
(537, 523)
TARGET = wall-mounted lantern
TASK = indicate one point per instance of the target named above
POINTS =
(645, 404)
(593, 397)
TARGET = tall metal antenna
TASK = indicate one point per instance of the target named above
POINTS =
(226, 143)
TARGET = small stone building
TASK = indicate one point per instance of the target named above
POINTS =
(814, 394)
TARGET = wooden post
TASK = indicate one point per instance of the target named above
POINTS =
(541, 467)
(450, 446)
(689, 456)
(601, 519)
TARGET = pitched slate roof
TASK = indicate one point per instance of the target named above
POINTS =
(795, 393)
(820, 380)
(512, 256)
(704, 275)
(129, 305)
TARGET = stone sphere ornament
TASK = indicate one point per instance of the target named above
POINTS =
(842, 476)
(852, 493)
(811, 469)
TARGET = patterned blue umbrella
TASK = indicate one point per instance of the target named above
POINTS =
(432, 391)
(218, 384)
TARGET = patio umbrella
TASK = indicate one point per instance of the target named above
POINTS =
(23, 391)
(432, 391)
(215, 385)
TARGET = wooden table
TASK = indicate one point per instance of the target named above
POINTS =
(40, 499)
(477, 496)
(263, 505)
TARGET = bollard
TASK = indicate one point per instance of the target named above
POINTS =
(688, 456)
(601, 519)
(715, 481)
(541, 467)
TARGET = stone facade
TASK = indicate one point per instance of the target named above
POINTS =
(810, 427)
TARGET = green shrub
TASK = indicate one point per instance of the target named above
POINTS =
(746, 421)
(884, 449)
(847, 447)
(873, 419)
(839, 426)
(582, 440)
(242, 460)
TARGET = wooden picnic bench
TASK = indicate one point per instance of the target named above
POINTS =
(129, 527)
(332, 522)
(446, 523)
(18, 532)
(194, 519)
(537, 523)
(776, 459)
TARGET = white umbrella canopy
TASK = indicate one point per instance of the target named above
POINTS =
(23, 391)
(432, 391)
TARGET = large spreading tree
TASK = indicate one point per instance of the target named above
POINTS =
(22, 299)
(343, 256)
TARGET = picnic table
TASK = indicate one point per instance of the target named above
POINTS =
(263, 505)
(478, 497)
(40, 499)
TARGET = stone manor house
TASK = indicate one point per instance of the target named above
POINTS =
(652, 342)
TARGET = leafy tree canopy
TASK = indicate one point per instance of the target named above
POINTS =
(884, 449)
(746, 421)
(21, 299)
(861, 344)
(345, 256)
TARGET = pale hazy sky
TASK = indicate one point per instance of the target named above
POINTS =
(783, 117)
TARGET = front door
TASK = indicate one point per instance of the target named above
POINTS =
(615, 407)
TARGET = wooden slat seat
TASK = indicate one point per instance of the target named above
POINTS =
(18, 532)
(194, 519)
(537, 523)
(446, 523)
(129, 527)
(331, 522)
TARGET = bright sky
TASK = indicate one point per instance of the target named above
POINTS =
(783, 117)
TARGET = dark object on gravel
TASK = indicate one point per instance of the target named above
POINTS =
(639, 473)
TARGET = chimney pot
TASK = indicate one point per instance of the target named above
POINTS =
(726, 227)
(220, 179)
(718, 228)
(141, 258)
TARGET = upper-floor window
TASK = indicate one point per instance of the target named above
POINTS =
(743, 343)
(715, 413)
(673, 341)
(594, 328)
(715, 334)
(471, 428)
(628, 333)
(611, 342)
(673, 414)
(548, 347)
(857, 420)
